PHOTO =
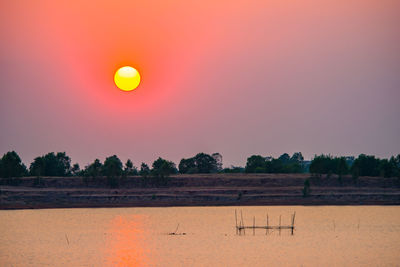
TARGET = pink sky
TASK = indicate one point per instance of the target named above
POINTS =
(235, 77)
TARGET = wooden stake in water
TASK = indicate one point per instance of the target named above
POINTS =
(240, 226)
(254, 225)
(236, 222)
(244, 231)
(66, 237)
(294, 215)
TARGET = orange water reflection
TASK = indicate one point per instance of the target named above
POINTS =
(126, 243)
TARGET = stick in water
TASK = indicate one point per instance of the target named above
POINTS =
(176, 229)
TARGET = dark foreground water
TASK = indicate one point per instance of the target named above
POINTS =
(324, 236)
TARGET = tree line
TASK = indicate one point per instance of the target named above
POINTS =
(363, 165)
(59, 164)
(283, 164)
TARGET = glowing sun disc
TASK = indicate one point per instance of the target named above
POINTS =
(127, 78)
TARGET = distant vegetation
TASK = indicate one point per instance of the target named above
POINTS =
(59, 164)
(201, 163)
(11, 167)
(283, 164)
(364, 165)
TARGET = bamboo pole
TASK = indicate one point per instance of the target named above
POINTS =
(66, 237)
(280, 224)
(240, 226)
(294, 215)
(236, 222)
(254, 225)
(244, 231)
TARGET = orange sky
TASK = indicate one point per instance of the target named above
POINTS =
(242, 78)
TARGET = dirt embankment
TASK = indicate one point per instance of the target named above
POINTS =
(200, 190)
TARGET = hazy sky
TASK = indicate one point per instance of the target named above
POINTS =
(235, 77)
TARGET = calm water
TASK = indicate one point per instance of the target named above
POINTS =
(324, 236)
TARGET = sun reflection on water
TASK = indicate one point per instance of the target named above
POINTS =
(126, 244)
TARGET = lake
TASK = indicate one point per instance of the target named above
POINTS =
(324, 236)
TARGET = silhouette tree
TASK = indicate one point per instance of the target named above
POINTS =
(297, 157)
(112, 169)
(37, 167)
(63, 164)
(144, 170)
(255, 163)
(201, 163)
(218, 160)
(11, 166)
(367, 165)
(51, 165)
(76, 170)
(162, 169)
(388, 168)
(205, 163)
(129, 168)
(93, 170)
(187, 166)
(285, 158)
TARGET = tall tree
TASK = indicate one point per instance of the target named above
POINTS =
(297, 157)
(255, 163)
(218, 161)
(112, 168)
(285, 158)
(64, 164)
(368, 165)
(144, 170)
(12, 166)
(93, 170)
(51, 164)
(163, 168)
(129, 168)
(201, 163)
(187, 166)
(205, 163)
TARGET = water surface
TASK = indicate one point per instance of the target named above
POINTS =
(324, 236)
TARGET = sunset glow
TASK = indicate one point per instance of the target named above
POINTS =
(127, 78)
(234, 77)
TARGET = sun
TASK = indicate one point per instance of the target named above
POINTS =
(127, 78)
